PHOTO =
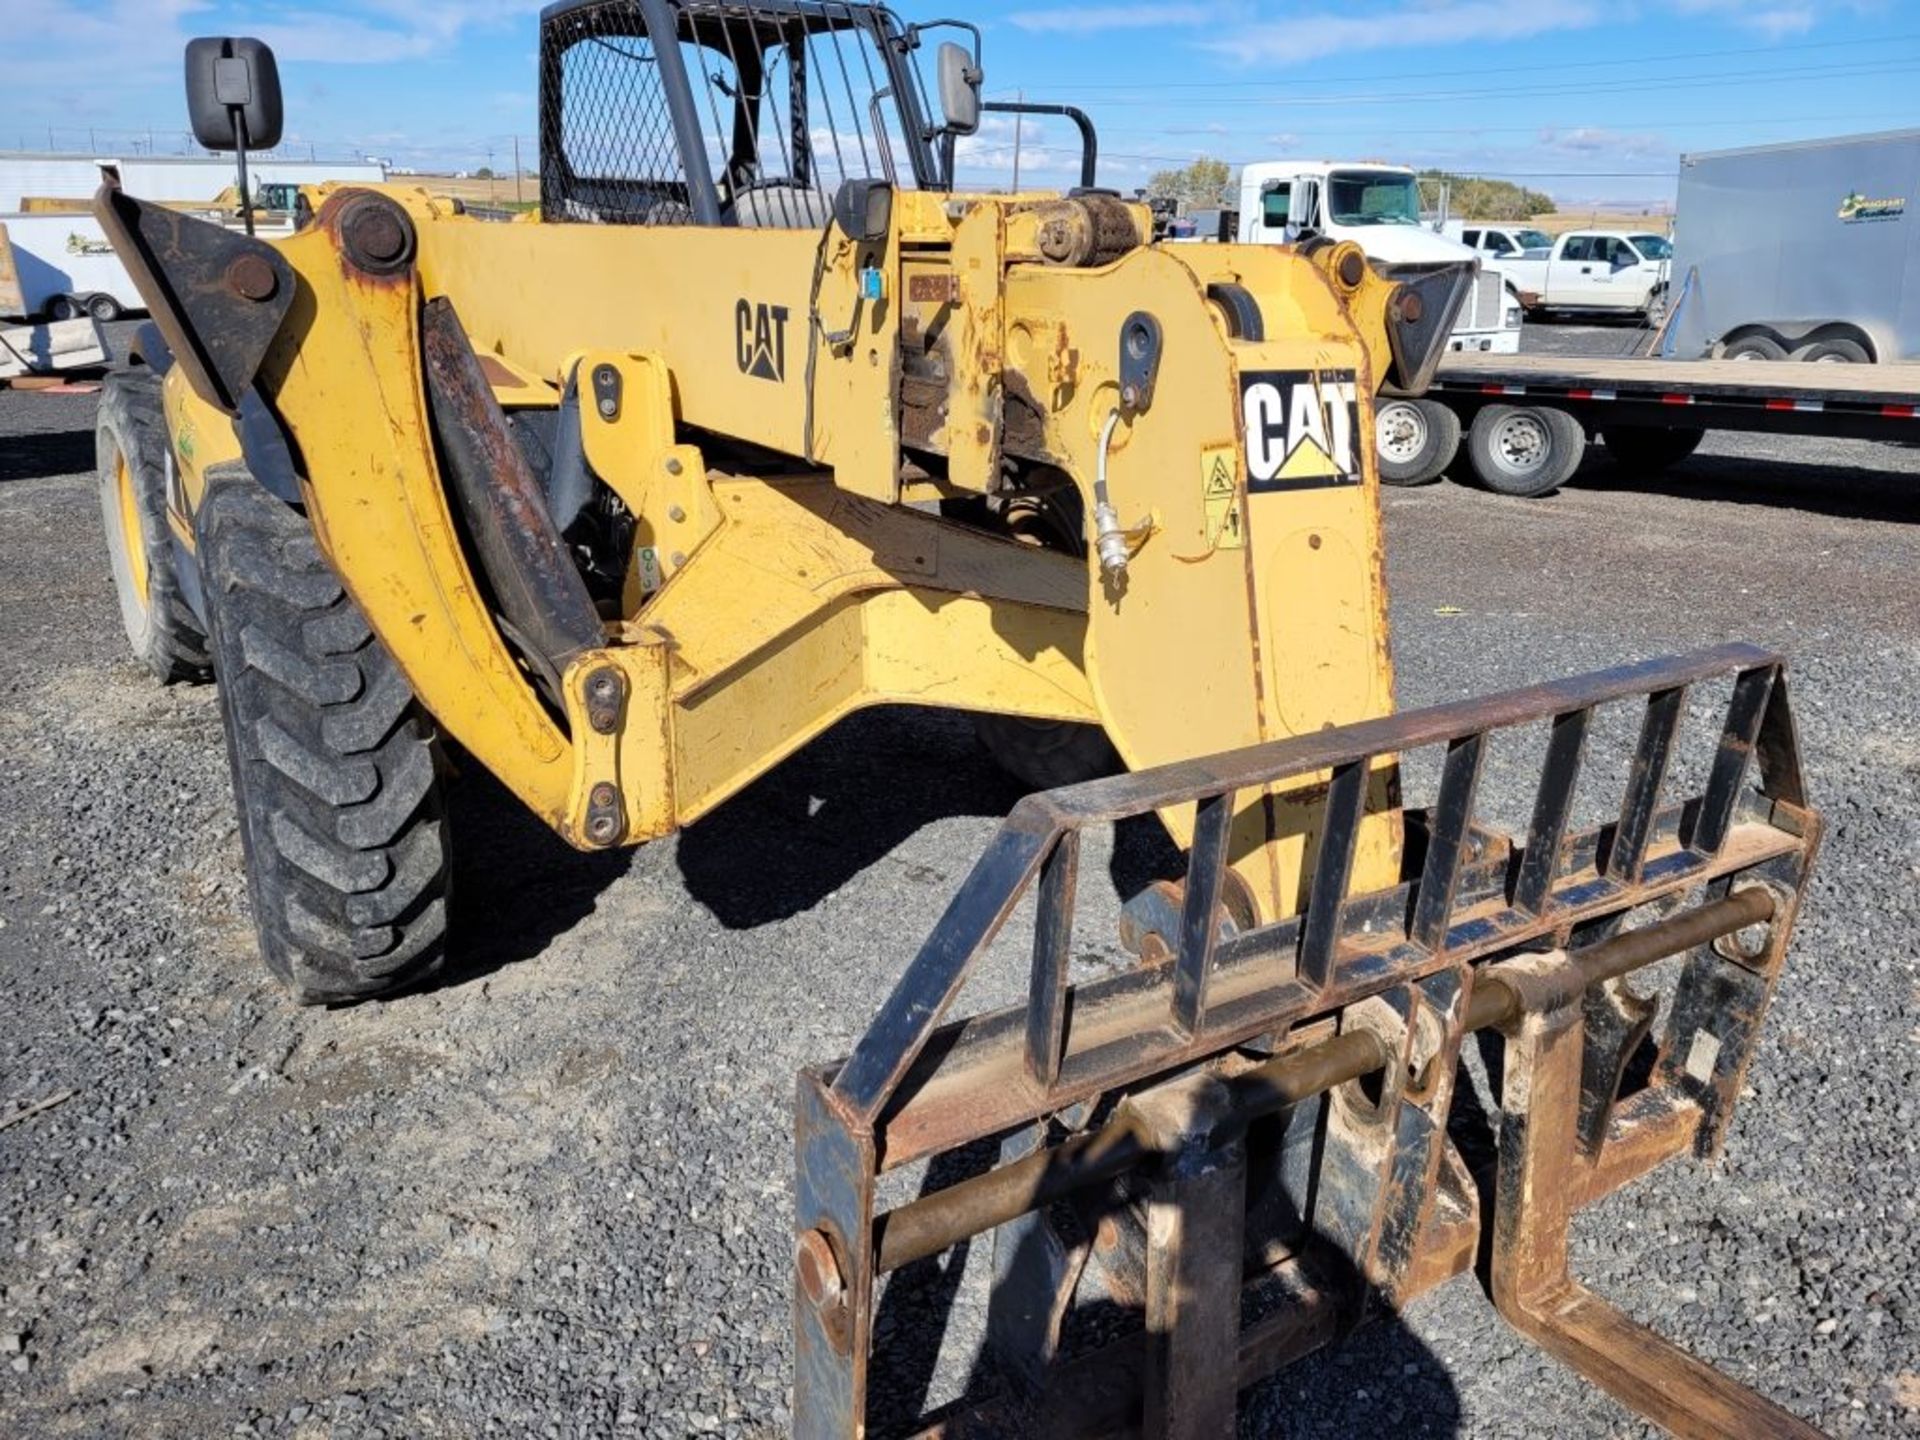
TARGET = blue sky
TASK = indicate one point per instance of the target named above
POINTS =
(1586, 99)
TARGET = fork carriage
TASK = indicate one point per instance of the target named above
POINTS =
(1258, 1126)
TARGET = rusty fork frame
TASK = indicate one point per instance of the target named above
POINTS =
(1257, 1129)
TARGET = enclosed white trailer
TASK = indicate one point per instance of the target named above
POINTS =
(61, 266)
(24, 174)
(1809, 250)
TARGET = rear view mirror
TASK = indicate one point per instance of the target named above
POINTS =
(233, 93)
(959, 88)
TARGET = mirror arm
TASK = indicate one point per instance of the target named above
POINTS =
(1089, 142)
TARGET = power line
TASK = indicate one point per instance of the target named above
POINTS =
(1293, 82)
(1703, 80)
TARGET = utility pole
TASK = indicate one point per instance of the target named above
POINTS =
(489, 174)
(518, 198)
(1020, 97)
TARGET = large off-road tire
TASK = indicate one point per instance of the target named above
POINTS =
(1044, 753)
(1414, 439)
(130, 449)
(332, 756)
(1040, 754)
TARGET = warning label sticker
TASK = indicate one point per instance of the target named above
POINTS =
(1226, 529)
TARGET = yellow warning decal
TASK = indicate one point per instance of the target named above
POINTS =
(1220, 496)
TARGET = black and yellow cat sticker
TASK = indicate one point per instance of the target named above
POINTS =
(1302, 429)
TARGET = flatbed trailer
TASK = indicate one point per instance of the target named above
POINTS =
(1528, 418)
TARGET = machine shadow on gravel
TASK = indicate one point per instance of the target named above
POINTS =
(1845, 492)
(1383, 1377)
(38, 454)
(516, 885)
(839, 806)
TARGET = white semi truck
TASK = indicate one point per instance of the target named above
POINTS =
(1378, 208)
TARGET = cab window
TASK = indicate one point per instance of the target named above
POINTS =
(1579, 247)
(1274, 202)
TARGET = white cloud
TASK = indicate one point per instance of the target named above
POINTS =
(1098, 19)
(1776, 21)
(1599, 140)
(1309, 37)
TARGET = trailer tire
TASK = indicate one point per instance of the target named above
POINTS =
(1524, 450)
(104, 308)
(63, 307)
(1415, 439)
(1043, 754)
(1754, 347)
(334, 774)
(1650, 448)
(1834, 350)
(130, 450)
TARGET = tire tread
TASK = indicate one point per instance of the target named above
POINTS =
(334, 777)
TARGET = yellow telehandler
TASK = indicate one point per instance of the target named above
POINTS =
(763, 419)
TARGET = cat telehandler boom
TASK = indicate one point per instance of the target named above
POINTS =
(763, 418)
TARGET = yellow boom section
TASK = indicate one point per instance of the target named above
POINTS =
(766, 379)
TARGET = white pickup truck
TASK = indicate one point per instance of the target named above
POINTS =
(1613, 270)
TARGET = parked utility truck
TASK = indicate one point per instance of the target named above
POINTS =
(1378, 208)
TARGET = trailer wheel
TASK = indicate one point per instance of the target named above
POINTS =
(1755, 347)
(1415, 439)
(63, 307)
(332, 759)
(1648, 448)
(104, 308)
(1524, 450)
(130, 449)
(1836, 350)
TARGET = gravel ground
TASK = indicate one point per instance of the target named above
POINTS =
(551, 1197)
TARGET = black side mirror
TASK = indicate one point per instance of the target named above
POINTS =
(863, 209)
(233, 93)
(959, 79)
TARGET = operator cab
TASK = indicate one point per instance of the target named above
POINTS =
(711, 112)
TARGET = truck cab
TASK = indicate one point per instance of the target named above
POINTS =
(1378, 208)
(1504, 242)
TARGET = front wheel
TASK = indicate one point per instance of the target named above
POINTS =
(1042, 754)
(1524, 450)
(332, 757)
(1415, 439)
(63, 307)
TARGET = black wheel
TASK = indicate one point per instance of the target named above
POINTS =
(63, 307)
(1647, 448)
(1415, 439)
(1755, 347)
(103, 308)
(130, 450)
(1046, 753)
(1524, 450)
(332, 757)
(1838, 350)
